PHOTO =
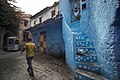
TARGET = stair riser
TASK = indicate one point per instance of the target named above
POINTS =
(86, 50)
(84, 44)
(86, 59)
(94, 69)
(81, 37)
(81, 77)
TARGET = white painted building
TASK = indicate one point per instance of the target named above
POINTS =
(46, 13)
(24, 24)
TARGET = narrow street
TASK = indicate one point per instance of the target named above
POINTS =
(13, 66)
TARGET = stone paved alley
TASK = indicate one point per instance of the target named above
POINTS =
(13, 67)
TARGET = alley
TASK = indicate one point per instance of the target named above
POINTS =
(13, 67)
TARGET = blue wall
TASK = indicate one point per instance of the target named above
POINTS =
(54, 37)
(67, 33)
(101, 21)
(103, 33)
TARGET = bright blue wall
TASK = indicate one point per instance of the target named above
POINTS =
(69, 27)
(54, 38)
(65, 10)
(67, 33)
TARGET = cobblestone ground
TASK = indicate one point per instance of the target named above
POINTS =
(13, 66)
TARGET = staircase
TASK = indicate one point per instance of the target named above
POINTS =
(87, 66)
(84, 57)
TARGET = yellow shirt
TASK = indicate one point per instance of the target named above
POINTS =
(30, 49)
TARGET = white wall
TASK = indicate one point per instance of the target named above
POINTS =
(46, 15)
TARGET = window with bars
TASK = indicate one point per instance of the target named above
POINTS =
(83, 0)
(77, 6)
(40, 20)
(26, 22)
(52, 13)
(83, 4)
(35, 22)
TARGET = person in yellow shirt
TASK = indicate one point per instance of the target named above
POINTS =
(30, 48)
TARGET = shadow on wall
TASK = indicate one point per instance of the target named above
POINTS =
(116, 54)
(56, 50)
(117, 17)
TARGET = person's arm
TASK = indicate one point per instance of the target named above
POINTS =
(23, 50)
(35, 49)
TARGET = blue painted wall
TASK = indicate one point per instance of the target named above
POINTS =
(70, 28)
(54, 37)
(102, 31)
(67, 33)
(101, 21)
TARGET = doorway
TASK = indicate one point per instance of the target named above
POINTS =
(43, 42)
(5, 40)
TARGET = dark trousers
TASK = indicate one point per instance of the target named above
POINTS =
(30, 69)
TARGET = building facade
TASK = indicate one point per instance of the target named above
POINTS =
(46, 30)
(46, 13)
(24, 24)
(48, 37)
(90, 32)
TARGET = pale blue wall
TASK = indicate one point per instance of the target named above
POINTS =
(67, 33)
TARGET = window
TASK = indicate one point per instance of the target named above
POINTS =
(11, 41)
(53, 13)
(40, 19)
(83, 0)
(84, 6)
(34, 22)
(17, 42)
(75, 8)
(25, 22)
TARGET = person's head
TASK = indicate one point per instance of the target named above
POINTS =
(29, 40)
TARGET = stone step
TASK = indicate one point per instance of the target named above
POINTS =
(75, 30)
(86, 58)
(84, 44)
(81, 37)
(86, 75)
(89, 66)
(86, 50)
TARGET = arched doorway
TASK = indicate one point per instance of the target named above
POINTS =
(6, 35)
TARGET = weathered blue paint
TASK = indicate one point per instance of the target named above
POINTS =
(69, 49)
(54, 38)
(101, 22)
(103, 14)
